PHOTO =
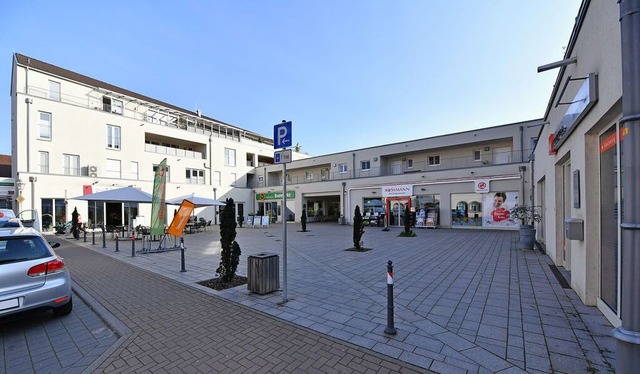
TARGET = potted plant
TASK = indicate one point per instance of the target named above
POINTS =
(527, 215)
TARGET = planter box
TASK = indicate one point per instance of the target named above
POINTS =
(263, 273)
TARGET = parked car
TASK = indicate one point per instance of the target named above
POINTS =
(32, 275)
(8, 219)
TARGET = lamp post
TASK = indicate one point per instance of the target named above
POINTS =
(215, 208)
(33, 180)
(20, 186)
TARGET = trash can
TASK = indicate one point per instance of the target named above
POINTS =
(263, 273)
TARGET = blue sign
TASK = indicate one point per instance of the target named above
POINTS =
(282, 135)
(277, 157)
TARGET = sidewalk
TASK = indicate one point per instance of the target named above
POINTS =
(465, 300)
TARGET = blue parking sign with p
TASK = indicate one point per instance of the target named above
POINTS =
(282, 135)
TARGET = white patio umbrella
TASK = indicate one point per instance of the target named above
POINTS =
(119, 195)
(198, 201)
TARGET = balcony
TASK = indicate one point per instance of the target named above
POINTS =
(150, 112)
(505, 158)
(169, 151)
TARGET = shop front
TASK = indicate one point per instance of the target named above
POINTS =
(270, 204)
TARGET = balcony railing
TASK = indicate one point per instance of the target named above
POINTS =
(173, 151)
(163, 117)
(504, 158)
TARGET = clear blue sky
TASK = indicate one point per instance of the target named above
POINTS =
(349, 74)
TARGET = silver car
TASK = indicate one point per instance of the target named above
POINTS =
(32, 275)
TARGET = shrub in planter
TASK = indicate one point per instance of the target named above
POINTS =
(303, 220)
(230, 250)
(358, 228)
(527, 215)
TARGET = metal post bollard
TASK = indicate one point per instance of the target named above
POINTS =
(85, 235)
(93, 236)
(182, 255)
(104, 238)
(117, 245)
(133, 245)
(390, 329)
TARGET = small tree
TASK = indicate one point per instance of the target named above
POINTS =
(358, 228)
(407, 220)
(230, 250)
(303, 220)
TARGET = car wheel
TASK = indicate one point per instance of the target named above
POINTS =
(63, 310)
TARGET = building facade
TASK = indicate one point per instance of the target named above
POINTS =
(442, 181)
(72, 134)
(577, 179)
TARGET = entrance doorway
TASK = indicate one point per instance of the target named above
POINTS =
(396, 208)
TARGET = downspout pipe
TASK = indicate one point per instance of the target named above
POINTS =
(628, 334)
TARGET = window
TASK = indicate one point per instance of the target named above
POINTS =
(342, 168)
(113, 168)
(168, 174)
(410, 163)
(71, 164)
(476, 155)
(134, 170)
(233, 179)
(308, 175)
(229, 157)
(195, 176)
(434, 160)
(44, 162)
(113, 137)
(116, 106)
(365, 165)
(217, 178)
(44, 123)
(54, 90)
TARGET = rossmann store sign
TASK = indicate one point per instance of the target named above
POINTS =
(397, 190)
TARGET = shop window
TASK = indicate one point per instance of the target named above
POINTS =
(461, 213)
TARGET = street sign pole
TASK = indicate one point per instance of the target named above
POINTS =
(282, 139)
(284, 232)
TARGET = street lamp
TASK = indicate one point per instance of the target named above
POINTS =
(33, 180)
(20, 185)
(215, 208)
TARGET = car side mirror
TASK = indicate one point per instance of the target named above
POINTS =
(54, 244)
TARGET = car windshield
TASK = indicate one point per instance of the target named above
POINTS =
(16, 249)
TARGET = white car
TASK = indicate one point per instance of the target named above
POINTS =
(32, 275)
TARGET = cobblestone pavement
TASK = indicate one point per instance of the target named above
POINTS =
(465, 301)
(42, 343)
(177, 328)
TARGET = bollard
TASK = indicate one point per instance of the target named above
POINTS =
(85, 235)
(182, 255)
(390, 329)
(133, 245)
(93, 237)
(117, 246)
(104, 238)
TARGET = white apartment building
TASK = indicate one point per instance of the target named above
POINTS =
(72, 135)
(446, 181)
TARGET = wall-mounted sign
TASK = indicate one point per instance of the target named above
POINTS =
(397, 190)
(274, 195)
(481, 185)
(583, 101)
